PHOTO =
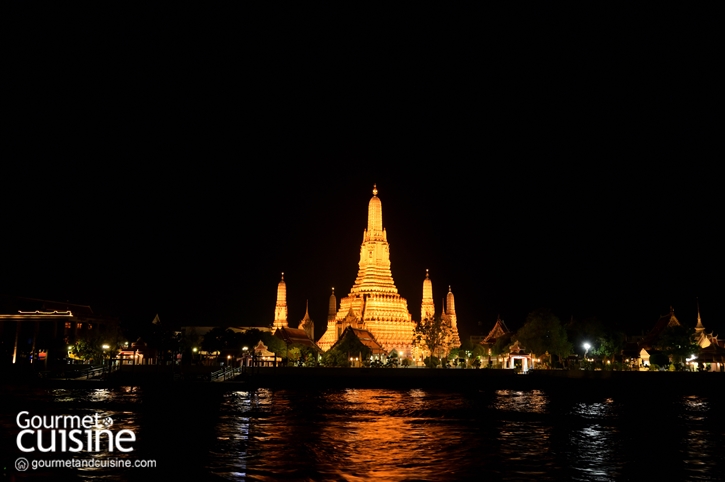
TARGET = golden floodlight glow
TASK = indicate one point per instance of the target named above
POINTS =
(373, 303)
(280, 310)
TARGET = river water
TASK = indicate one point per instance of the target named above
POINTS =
(383, 434)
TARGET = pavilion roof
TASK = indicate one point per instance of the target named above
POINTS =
(295, 336)
(664, 321)
(713, 353)
(365, 337)
(499, 329)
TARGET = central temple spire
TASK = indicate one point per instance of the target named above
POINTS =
(373, 302)
(427, 308)
(374, 274)
(375, 231)
(280, 309)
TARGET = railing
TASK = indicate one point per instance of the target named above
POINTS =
(225, 374)
(91, 372)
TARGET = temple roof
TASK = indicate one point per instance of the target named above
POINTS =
(365, 337)
(295, 336)
(21, 306)
(14, 304)
(261, 350)
(665, 321)
(712, 354)
(499, 329)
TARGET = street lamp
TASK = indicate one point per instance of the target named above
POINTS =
(587, 346)
(106, 347)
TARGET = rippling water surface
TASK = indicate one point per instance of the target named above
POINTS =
(362, 434)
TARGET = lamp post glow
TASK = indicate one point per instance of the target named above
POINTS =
(106, 347)
(587, 346)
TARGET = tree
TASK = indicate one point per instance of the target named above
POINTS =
(467, 345)
(589, 330)
(333, 358)
(501, 345)
(543, 332)
(274, 344)
(677, 343)
(431, 361)
(90, 347)
(294, 355)
(433, 334)
(161, 339)
(349, 346)
(478, 353)
(611, 344)
(393, 360)
(216, 339)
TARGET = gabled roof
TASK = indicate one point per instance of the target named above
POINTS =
(664, 322)
(261, 350)
(649, 352)
(365, 337)
(499, 329)
(295, 336)
(712, 354)
(14, 304)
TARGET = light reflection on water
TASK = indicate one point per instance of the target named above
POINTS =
(362, 434)
(533, 401)
(697, 450)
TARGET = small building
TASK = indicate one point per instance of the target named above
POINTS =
(650, 356)
(34, 327)
(262, 357)
(711, 358)
(518, 353)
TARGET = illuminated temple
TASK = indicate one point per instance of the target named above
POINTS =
(280, 309)
(448, 310)
(373, 303)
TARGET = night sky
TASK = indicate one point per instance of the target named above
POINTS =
(152, 168)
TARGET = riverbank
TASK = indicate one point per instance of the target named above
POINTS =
(447, 379)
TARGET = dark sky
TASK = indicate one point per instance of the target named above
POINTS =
(151, 167)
